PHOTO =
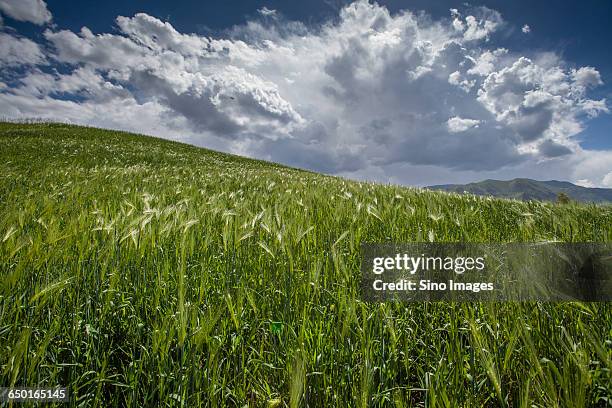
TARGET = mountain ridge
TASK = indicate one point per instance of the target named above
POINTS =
(528, 189)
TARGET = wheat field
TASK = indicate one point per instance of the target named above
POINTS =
(141, 272)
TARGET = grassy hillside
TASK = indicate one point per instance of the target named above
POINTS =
(527, 189)
(142, 272)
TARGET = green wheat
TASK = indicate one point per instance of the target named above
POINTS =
(143, 272)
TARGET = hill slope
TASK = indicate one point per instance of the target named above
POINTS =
(527, 189)
(142, 272)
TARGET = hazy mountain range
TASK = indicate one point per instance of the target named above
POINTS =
(527, 189)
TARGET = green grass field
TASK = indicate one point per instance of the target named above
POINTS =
(143, 272)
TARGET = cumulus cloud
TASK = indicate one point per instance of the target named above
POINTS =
(526, 29)
(537, 102)
(206, 81)
(586, 77)
(369, 94)
(33, 11)
(17, 51)
(457, 79)
(486, 62)
(478, 26)
(607, 180)
(457, 124)
(264, 11)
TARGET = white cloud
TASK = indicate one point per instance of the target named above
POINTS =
(585, 183)
(537, 102)
(586, 77)
(158, 36)
(477, 27)
(457, 22)
(607, 180)
(83, 82)
(457, 124)
(588, 165)
(486, 62)
(370, 94)
(264, 11)
(17, 51)
(526, 29)
(33, 11)
(456, 78)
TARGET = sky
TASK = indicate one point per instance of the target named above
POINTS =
(404, 92)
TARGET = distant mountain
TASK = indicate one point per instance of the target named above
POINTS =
(527, 189)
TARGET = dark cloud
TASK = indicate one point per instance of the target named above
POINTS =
(548, 148)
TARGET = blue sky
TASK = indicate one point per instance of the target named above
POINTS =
(268, 110)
